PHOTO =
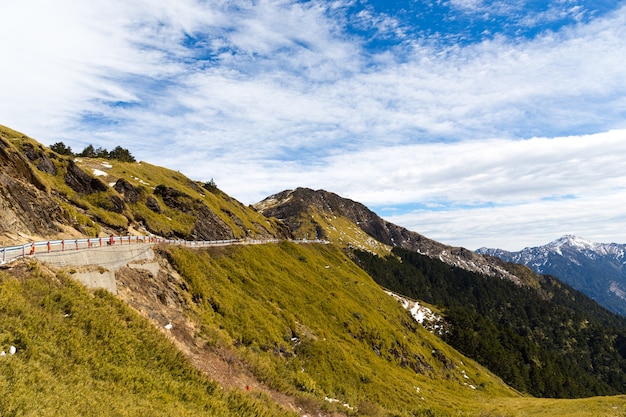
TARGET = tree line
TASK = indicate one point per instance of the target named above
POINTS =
(118, 153)
(550, 342)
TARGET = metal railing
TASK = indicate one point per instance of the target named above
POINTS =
(11, 253)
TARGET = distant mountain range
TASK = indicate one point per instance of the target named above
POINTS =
(596, 269)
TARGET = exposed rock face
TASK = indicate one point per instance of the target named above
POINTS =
(82, 182)
(39, 157)
(288, 206)
(208, 226)
(153, 204)
(24, 208)
(174, 198)
(115, 204)
(46, 165)
(16, 166)
(130, 193)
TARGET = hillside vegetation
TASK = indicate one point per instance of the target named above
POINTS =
(304, 319)
(314, 325)
(96, 196)
(87, 354)
(555, 342)
(274, 329)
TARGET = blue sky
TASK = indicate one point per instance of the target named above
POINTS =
(475, 123)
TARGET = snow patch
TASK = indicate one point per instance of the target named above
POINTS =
(12, 351)
(616, 289)
(421, 314)
(333, 400)
(140, 180)
(99, 173)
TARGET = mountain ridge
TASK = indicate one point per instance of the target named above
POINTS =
(514, 344)
(596, 269)
(50, 195)
(292, 208)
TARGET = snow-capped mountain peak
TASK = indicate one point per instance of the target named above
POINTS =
(572, 241)
(597, 269)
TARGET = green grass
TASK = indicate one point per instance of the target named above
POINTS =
(88, 354)
(344, 233)
(354, 343)
(338, 230)
(312, 324)
(244, 221)
(596, 406)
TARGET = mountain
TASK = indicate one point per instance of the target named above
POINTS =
(321, 214)
(274, 329)
(46, 195)
(596, 269)
(532, 330)
(550, 341)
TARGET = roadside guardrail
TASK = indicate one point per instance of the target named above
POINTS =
(11, 253)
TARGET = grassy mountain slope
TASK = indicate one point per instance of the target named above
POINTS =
(303, 319)
(314, 325)
(525, 327)
(562, 344)
(88, 354)
(49, 195)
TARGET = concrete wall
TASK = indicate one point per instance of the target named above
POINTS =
(108, 259)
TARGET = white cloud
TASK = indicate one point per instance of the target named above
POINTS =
(505, 193)
(525, 193)
(592, 216)
(274, 94)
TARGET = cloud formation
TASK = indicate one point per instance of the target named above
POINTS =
(463, 142)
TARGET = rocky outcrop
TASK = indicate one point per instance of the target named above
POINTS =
(114, 204)
(38, 157)
(15, 165)
(208, 226)
(27, 210)
(153, 204)
(25, 207)
(81, 182)
(125, 188)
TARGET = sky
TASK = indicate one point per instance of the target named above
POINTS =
(475, 123)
